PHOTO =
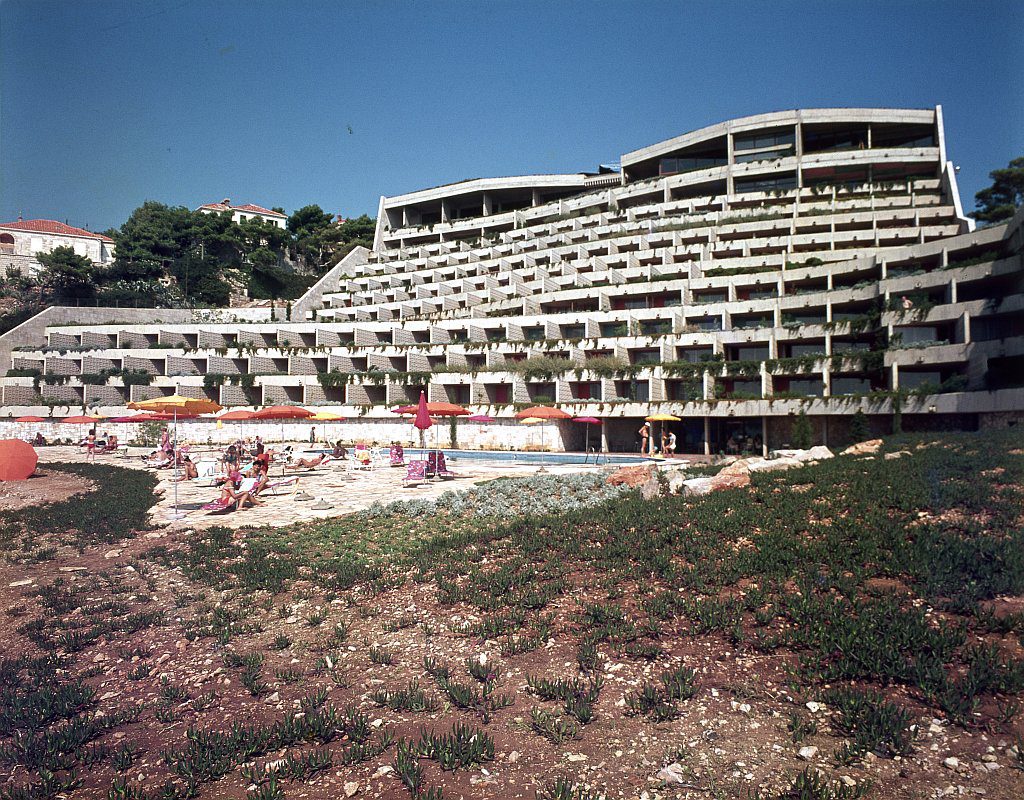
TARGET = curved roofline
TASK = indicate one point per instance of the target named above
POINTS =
(779, 117)
(484, 184)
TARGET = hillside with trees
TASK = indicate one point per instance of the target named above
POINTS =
(171, 256)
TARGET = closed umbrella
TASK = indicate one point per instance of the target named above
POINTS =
(588, 421)
(422, 420)
(177, 404)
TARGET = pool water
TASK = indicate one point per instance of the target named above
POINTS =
(516, 457)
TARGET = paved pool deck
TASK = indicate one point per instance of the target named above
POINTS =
(344, 490)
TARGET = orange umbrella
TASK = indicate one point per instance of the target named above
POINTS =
(30, 419)
(18, 460)
(236, 415)
(81, 420)
(544, 412)
(435, 409)
(282, 412)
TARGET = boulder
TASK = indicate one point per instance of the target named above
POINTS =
(817, 453)
(897, 454)
(651, 488)
(741, 466)
(721, 481)
(695, 487)
(631, 476)
(775, 464)
(863, 448)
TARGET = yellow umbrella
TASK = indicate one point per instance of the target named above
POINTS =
(661, 418)
(175, 404)
(326, 416)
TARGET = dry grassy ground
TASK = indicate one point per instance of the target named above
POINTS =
(846, 629)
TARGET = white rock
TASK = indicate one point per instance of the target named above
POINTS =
(351, 788)
(673, 773)
(24, 582)
(847, 780)
(808, 752)
(814, 707)
(383, 770)
(112, 554)
(575, 757)
(951, 763)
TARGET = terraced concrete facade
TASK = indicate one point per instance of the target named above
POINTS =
(814, 261)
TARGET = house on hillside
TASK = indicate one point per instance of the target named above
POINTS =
(21, 241)
(245, 212)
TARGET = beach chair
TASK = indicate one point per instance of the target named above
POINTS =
(397, 455)
(442, 468)
(415, 473)
(363, 458)
(273, 486)
(218, 506)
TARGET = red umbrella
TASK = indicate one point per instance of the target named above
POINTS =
(422, 420)
(18, 460)
(282, 413)
(81, 420)
(481, 418)
(434, 409)
(30, 419)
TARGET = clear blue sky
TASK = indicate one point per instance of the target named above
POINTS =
(106, 104)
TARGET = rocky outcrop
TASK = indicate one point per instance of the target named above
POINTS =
(870, 447)
(631, 476)
(817, 453)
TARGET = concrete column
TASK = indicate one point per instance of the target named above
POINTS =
(764, 436)
(488, 204)
(535, 200)
(707, 436)
(445, 211)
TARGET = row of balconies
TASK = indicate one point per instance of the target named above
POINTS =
(811, 378)
(416, 279)
(398, 304)
(666, 232)
(663, 190)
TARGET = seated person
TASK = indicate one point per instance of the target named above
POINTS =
(230, 460)
(39, 441)
(229, 492)
(306, 463)
(112, 443)
(339, 450)
(190, 470)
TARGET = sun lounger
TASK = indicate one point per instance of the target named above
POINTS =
(415, 473)
(219, 506)
(436, 466)
(397, 455)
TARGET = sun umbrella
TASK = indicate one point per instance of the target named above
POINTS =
(282, 413)
(81, 420)
(434, 409)
(176, 404)
(30, 419)
(327, 416)
(238, 415)
(18, 460)
(660, 418)
(422, 421)
(480, 418)
(586, 446)
(544, 412)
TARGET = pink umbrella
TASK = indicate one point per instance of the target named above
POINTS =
(480, 418)
(587, 421)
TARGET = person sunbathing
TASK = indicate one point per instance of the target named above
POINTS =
(306, 463)
(230, 493)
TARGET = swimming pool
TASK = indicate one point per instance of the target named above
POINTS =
(517, 457)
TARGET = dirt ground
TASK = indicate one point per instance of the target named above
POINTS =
(731, 739)
(46, 486)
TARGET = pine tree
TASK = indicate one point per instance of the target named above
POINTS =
(802, 432)
(860, 430)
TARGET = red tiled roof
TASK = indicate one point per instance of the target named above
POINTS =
(53, 227)
(258, 210)
(252, 209)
